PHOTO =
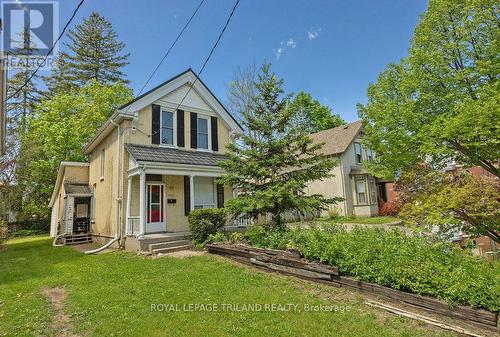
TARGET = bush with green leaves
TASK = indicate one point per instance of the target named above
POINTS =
(391, 258)
(203, 222)
(4, 231)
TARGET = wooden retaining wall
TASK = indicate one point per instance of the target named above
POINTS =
(291, 263)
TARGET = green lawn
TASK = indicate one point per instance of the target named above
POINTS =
(111, 295)
(375, 220)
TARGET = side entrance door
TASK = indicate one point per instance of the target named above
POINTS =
(155, 217)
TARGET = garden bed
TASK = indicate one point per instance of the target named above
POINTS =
(291, 263)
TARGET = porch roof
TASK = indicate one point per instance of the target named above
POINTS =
(144, 153)
(77, 189)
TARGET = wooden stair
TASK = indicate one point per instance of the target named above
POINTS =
(78, 239)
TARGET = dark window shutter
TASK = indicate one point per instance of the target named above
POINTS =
(187, 196)
(194, 130)
(215, 136)
(220, 195)
(155, 124)
(180, 128)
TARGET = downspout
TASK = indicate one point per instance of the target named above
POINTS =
(118, 198)
(343, 185)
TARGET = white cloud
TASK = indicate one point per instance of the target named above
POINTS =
(278, 52)
(291, 43)
(313, 33)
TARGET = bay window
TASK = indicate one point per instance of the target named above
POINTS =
(360, 185)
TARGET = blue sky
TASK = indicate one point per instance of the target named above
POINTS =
(332, 49)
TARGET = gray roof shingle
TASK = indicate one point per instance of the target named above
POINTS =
(337, 139)
(175, 156)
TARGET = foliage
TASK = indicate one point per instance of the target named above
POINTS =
(96, 53)
(203, 222)
(57, 131)
(394, 259)
(312, 115)
(442, 102)
(27, 232)
(452, 202)
(391, 208)
(4, 231)
(373, 220)
(241, 91)
(237, 237)
(97, 308)
(216, 238)
(271, 164)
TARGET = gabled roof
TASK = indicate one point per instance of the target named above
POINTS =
(60, 175)
(127, 110)
(144, 153)
(337, 139)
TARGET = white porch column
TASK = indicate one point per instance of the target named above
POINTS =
(142, 200)
(129, 195)
(191, 191)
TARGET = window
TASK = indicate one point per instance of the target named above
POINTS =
(361, 190)
(204, 192)
(203, 133)
(103, 160)
(357, 151)
(373, 191)
(369, 155)
(167, 127)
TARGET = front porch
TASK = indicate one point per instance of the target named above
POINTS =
(159, 201)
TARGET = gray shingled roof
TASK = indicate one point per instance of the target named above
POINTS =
(337, 139)
(77, 189)
(176, 156)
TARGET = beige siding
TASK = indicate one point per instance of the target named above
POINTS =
(105, 189)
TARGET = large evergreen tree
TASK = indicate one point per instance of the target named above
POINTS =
(272, 163)
(94, 54)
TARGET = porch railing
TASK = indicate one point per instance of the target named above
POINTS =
(243, 220)
(133, 223)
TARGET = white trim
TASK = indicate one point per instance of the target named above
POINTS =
(174, 128)
(209, 133)
(60, 175)
(177, 169)
(162, 203)
(142, 203)
(189, 77)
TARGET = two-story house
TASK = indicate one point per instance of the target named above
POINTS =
(150, 164)
(350, 181)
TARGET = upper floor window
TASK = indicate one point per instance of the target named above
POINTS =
(103, 160)
(369, 154)
(202, 130)
(167, 127)
(357, 151)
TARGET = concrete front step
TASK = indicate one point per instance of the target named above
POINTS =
(168, 244)
(171, 249)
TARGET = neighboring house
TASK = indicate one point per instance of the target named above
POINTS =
(149, 165)
(351, 181)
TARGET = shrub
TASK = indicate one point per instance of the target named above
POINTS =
(216, 238)
(203, 222)
(391, 208)
(4, 230)
(27, 232)
(237, 237)
(391, 258)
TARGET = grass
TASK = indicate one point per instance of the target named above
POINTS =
(375, 220)
(111, 295)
